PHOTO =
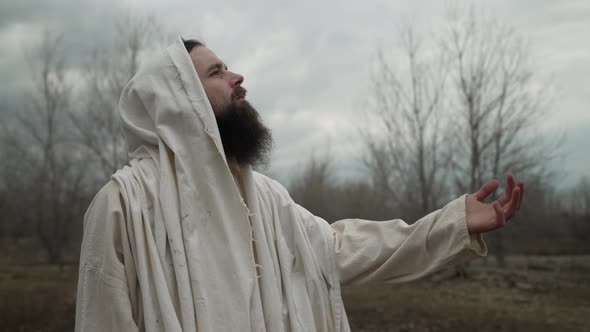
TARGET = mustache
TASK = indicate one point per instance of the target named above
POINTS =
(239, 92)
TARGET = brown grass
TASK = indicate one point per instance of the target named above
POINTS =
(532, 294)
(37, 298)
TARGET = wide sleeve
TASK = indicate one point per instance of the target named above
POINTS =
(368, 251)
(104, 296)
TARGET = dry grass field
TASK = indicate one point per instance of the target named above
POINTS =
(542, 293)
(532, 294)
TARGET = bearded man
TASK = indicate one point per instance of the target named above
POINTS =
(189, 238)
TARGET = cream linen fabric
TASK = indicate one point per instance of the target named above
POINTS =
(171, 245)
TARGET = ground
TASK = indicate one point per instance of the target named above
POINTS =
(533, 294)
(540, 293)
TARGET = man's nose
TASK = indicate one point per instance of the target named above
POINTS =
(236, 79)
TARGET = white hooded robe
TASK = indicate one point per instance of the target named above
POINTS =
(175, 242)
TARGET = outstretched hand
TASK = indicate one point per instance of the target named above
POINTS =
(482, 217)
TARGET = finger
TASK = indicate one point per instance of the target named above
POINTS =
(486, 190)
(512, 206)
(500, 218)
(508, 192)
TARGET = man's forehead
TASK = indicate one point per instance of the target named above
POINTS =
(203, 58)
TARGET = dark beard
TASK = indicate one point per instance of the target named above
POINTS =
(245, 138)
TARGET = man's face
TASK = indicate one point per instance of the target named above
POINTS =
(244, 137)
(221, 85)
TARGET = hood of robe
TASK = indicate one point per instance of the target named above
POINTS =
(166, 100)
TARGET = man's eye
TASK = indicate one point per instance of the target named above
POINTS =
(215, 73)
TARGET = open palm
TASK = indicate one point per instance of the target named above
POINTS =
(483, 217)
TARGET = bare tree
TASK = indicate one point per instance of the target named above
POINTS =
(406, 155)
(497, 98)
(498, 101)
(45, 168)
(97, 119)
(480, 79)
(67, 139)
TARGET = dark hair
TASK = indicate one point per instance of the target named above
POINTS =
(191, 43)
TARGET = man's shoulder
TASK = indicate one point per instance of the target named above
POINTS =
(107, 199)
(111, 188)
(265, 183)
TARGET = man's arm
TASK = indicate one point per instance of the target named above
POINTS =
(104, 296)
(395, 251)
(392, 250)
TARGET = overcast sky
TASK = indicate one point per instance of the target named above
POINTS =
(307, 63)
